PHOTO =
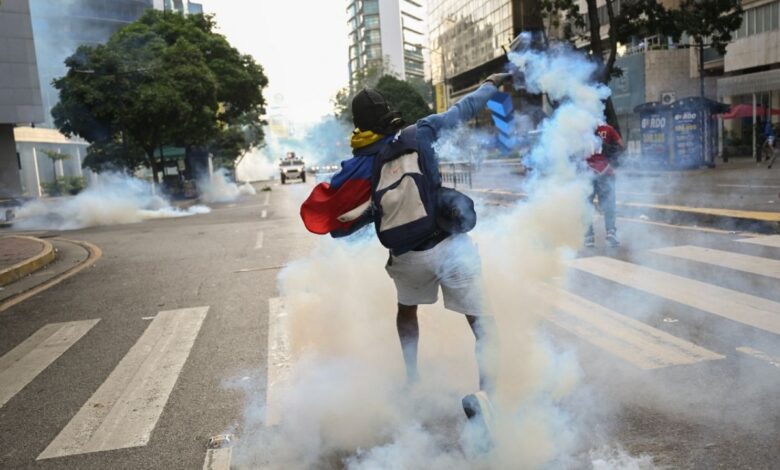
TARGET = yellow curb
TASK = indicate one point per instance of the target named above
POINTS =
(94, 254)
(737, 214)
(753, 215)
(19, 270)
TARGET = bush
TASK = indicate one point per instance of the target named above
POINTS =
(67, 185)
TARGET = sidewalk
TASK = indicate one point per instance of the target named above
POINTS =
(22, 255)
(738, 195)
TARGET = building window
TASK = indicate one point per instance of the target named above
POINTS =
(759, 20)
(370, 7)
(371, 21)
(374, 52)
(373, 36)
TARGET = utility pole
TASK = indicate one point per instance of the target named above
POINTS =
(701, 66)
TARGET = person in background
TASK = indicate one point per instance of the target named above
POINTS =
(602, 165)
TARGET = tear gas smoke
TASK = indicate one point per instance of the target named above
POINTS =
(257, 165)
(344, 403)
(219, 188)
(113, 199)
(321, 143)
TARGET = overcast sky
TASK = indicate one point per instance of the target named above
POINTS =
(302, 44)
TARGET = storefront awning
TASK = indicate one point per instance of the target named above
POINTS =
(738, 111)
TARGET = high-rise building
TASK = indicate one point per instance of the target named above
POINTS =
(181, 6)
(468, 38)
(20, 94)
(61, 27)
(393, 31)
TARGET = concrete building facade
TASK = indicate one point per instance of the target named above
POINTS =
(393, 31)
(752, 75)
(20, 93)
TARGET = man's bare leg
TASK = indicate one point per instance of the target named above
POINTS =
(409, 334)
(486, 336)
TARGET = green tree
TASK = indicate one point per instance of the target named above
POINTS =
(403, 97)
(366, 77)
(700, 19)
(166, 79)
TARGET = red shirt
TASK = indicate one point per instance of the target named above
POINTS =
(598, 161)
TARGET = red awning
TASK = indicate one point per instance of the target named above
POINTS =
(746, 111)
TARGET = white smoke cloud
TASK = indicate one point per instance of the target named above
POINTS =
(257, 165)
(345, 404)
(113, 198)
(218, 188)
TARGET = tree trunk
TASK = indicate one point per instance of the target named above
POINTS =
(611, 115)
(152, 165)
(597, 51)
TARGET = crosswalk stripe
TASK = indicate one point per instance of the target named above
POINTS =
(727, 303)
(279, 356)
(19, 366)
(259, 242)
(768, 240)
(761, 355)
(747, 263)
(125, 408)
(218, 459)
(641, 345)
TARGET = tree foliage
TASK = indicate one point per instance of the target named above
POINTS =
(706, 21)
(366, 77)
(403, 97)
(166, 79)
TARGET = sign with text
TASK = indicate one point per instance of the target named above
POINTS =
(688, 138)
(655, 145)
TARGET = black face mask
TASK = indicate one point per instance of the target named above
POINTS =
(370, 112)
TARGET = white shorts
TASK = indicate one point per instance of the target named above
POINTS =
(454, 264)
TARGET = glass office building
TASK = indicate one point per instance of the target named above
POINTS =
(60, 27)
(389, 30)
(467, 39)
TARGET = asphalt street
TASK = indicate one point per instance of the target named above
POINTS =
(677, 330)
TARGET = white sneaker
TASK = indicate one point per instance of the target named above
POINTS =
(612, 239)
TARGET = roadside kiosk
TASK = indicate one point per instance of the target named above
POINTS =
(681, 135)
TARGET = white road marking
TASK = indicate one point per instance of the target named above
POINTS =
(125, 408)
(279, 356)
(147, 318)
(264, 214)
(771, 360)
(746, 263)
(218, 459)
(727, 303)
(259, 242)
(19, 366)
(763, 186)
(769, 240)
(267, 198)
(636, 343)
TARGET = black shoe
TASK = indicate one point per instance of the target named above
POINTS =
(590, 241)
(479, 410)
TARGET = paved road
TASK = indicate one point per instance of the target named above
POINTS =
(136, 362)
(129, 363)
(739, 185)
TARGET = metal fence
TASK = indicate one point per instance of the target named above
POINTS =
(456, 173)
